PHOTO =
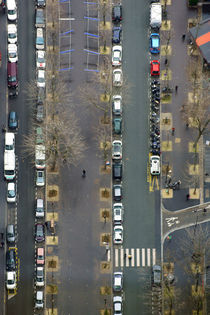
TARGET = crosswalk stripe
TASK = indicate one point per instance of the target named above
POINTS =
(138, 257)
(153, 256)
(116, 258)
(127, 259)
(143, 257)
(148, 257)
(122, 257)
(133, 257)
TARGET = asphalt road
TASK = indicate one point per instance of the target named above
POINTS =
(22, 303)
(142, 223)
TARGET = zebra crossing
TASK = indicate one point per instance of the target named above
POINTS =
(134, 257)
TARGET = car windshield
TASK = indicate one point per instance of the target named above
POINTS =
(11, 12)
(11, 35)
(11, 193)
(40, 59)
(12, 54)
(41, 80)
(12, 79)
(117, 147)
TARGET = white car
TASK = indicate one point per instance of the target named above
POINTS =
(39, 303)
(40, 277)
(41, 78)
(118, 305)
(11, 10)
(117, 150)
(40, 181)
(40, 43)
(118, 212)
(11, 192)
(12, 53)
(40, 59)
(12, 33)
(118, 234)
(117, 104)
(117, 281)
(117, 77)
(116, 55)
(11, 280)
(155, 165)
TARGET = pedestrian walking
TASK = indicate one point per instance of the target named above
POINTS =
(3, 129)
(172, 131)
(129, 256)
(187, 125)
(176, 88)
(187, 196)
(2, 235)
(166, 61)
(204, 210)
(183, 37)
(2, 244)
(125, 255)
(83, 173)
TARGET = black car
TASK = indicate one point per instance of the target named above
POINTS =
(117, 125)
(41, 3)
(156, 275)
(10, 260)
(13, 92)
(117, 171)
(40, 113)
(41, 96)
(117, 13)
(12, 120)
(39, 233)
(116, 34)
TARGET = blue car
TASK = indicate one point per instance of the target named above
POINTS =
(116, 34)
(155, 43)
(13, 120)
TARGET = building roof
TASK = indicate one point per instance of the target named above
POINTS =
(201, 35)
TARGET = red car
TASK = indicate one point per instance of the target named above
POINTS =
(155, 67)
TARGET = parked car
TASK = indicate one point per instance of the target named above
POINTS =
(117, 13)
(40, 59)
(156, 275)
(40, 38)
(116, 34)
(117, 77)
(39, 302)
(40, 113)
(12, 120)
(118, 305)
(117, 281)
(155, 68)
(118, 212)
(10, 233)
(40, 256)
(117, 192)
(39, 276)
(41, 78)
(10, 260)
(39, 18)
(155, 165)
(12, 52)
(117, 150)
(11, 192)
(11, 280)
(117, 126)
(39, 233)
(12, 74)
(41, 96)
(118, 235)
(39, 208)
(12, 33)
(117, 104)
(40, 178)
(41, 3)
(39, 136)
(116, 55)
(11, 10)
(155, 43)
(117, 171)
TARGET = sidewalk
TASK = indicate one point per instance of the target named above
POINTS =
(177, 149)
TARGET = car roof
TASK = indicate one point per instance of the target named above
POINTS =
(11, 186)
(40, 53)
(11, 27)
(40, 251)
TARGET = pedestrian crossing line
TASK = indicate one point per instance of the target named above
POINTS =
(134, 257)
(138, 257)
(143, 257)
(153, 256)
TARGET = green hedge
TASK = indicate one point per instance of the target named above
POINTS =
(193, 2)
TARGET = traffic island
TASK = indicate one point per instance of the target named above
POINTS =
(52, 193)
(105, 267)
(105, 239)
(105, 194)
(104, 215)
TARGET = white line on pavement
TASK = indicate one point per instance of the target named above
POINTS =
(148, 257)
(138, 257)
(143, 257)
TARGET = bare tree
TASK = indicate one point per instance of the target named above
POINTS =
(103, 135)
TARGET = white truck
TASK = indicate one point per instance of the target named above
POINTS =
(9, 165)
(155, 15)
(40, 156)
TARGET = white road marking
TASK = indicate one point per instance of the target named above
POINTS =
(133, 257)
(116, 258)
(143, 257)
(121, 257)
(153, 256)
(138, 257)
(148, 257)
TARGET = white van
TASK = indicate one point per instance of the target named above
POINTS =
(11, 10)
(9, 142)
(9, 165)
